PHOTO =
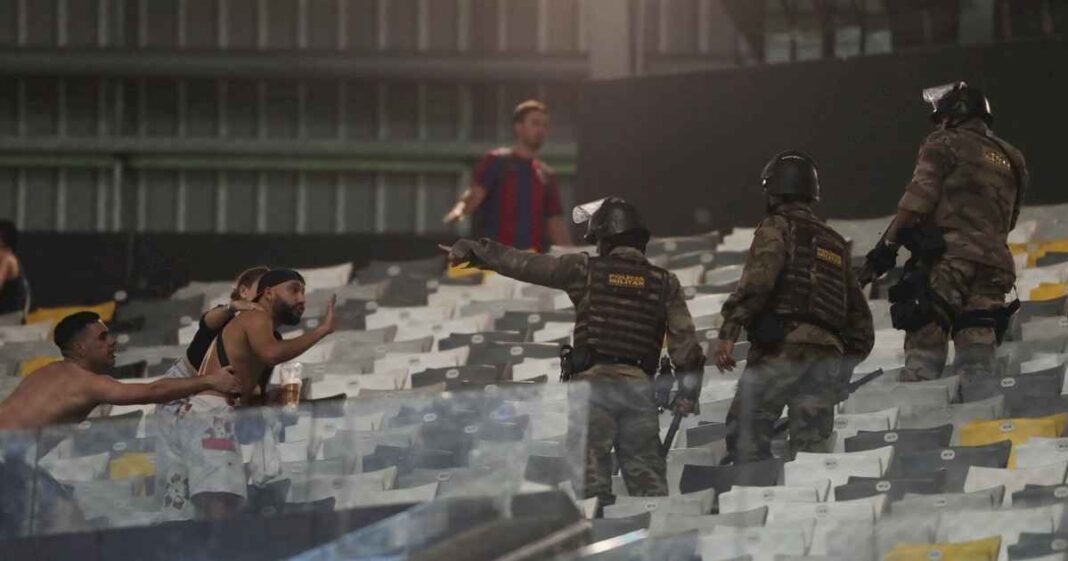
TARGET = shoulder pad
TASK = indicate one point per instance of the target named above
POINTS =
(942, 136)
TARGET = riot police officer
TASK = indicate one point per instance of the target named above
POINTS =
(955, 217)
(803, 311)
(624, 308)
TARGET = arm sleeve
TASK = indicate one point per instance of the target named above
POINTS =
(767, 257)
(486, 172)
(933, 164)
(545, 270)
(1021, 189)
(198, 347)
(859, 334)
(682, 343)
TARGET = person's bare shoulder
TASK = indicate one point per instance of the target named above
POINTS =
(250, 319)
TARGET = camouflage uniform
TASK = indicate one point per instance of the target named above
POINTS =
(621, 410)
(970, 184)
(802, 372)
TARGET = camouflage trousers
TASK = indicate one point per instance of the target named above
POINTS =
(800, 377)
(620, 415)
(964, 286)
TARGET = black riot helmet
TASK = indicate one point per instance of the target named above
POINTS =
(791, 173)
(609, 218)
(957, 102)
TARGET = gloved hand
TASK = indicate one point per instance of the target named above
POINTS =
(881, 258)
(463, 251)
(662, 386)
(689, 393)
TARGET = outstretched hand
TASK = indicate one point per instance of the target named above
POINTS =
(224, 381)
(463, 251)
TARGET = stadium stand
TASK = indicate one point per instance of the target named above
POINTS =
(448, 417)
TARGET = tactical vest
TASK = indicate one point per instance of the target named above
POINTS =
(625, 311)
(978, 198)
(812, 286)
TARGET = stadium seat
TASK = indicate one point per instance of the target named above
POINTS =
(953, 461)
(880, 398)
(808, 467)
(847, 425)
(1039, 451)
(743, 498)
(1038, 546)
(694, 504)
(469, 339)
(608, 528)
(912, 504)
(894, 489)
(51, 316)
(1017, 431)
(976, 550)
(1014, 479)
(767, 473)
(669, 524)
(1040, 495)
(679, 458)
(724, 543)
(1007, 524)
(904, 441)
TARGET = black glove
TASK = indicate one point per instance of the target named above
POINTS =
(662, 386)
(463, 251)
(882, 258)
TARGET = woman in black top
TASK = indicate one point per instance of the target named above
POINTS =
(212, 322)
(14, 290)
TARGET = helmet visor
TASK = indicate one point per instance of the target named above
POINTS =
(935, 94)
(582, 213)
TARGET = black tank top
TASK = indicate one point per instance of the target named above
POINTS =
(13, 295)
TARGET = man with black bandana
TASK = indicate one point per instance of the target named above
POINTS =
(201, 467)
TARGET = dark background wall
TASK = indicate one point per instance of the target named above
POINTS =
(689, 148)
(68, 269)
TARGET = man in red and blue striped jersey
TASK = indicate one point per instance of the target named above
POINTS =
(513, 195)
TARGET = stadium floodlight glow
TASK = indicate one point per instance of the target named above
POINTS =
(582, 213)
(934, 94)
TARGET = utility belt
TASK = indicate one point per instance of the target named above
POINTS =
(574, 360)
(914, 304)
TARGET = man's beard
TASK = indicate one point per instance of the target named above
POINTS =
(289, 316)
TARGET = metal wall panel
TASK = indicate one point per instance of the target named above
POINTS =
(200, 200)
(81, 200)
(359, 202)
(320, 202)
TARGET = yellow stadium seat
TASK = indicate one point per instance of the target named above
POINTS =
(132, 464)
(463, 272)
(53, 315)
(1048, 291)
(30, 366)
(985, 549)
(1036, 251)
(1017, 431)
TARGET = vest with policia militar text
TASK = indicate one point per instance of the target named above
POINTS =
(812, 285)
(625, 312)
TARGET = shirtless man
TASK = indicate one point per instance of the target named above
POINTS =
(68, 390)
(201, 465)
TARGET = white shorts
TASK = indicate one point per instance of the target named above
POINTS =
(197, 452)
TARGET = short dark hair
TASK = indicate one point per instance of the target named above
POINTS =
(248, 277)
(527, 107)
(9, 234)
(71, 326)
